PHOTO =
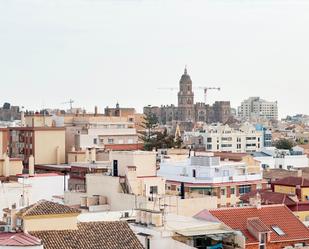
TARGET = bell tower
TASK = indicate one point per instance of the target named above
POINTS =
(186, 98)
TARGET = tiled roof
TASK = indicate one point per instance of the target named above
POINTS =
(268, 197)
(275, 174)
(91, 235)
(18, 239)
(258, 225)
(44, 207)
(231, 156)
(273, 215)
(293, 181)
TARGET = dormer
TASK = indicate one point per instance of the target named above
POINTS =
(259, 231)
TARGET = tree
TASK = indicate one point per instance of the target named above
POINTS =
(153, 138)
(284, 144)
(148, 136)
(178, 142)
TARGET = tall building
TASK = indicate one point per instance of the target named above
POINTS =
(255, 108)
(187, 112)
(245, 139)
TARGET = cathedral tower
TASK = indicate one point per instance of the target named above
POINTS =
(186, 98)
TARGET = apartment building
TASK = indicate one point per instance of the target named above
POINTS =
(272, 158)
(255, 108)
(46, 144)
(224, 138)
(199, 176)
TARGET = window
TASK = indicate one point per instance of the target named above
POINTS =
(209, 140)
(278, 230)
(95, 141)
(244, 189)
(262, 242)
(110, 140)
(232, 191)
(153, 189)
(222, 191)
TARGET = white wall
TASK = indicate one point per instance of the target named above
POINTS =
(299, 161)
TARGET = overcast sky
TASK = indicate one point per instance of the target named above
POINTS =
(98, 52)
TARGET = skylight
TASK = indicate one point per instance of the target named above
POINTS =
(278, 230)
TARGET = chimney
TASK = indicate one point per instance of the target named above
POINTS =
(31, 165)
(6, 165)
(58, 155)
(93, 155)
(299, 173)
(95, 111)
(22, 118)
(87, 155)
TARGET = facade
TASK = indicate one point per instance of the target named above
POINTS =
(188, 112)
(272, 158)
(46, 144)
(256, 108)
(4, 140)
(107, 133)
(270, 226)
(9, 113)
(297, 186)
(10, 166)
(200, 176)
(119, 111)
(224, 138)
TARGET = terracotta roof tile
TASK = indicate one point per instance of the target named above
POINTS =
(274, 215)
(268, 197)
(44, 207)
(18, 239)
(293, 181)
(91, 235)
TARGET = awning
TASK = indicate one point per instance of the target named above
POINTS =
(218, 232)
(144, 234)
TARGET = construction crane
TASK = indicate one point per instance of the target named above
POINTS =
(71, 101)
(205, 89)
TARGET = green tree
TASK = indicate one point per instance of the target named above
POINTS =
(151, 137)
(148, 136)
(284, 144)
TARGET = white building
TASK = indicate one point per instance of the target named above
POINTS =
(256, 108)
(28, 190)
(209, 176)
(272, 158)
(100, 133)
(179, 232)
(224, 138)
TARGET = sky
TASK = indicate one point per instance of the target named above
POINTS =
(98, 52)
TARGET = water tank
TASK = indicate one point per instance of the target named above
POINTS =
(83, 201)
(143, 217)
(148, 218)
(102, 200)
